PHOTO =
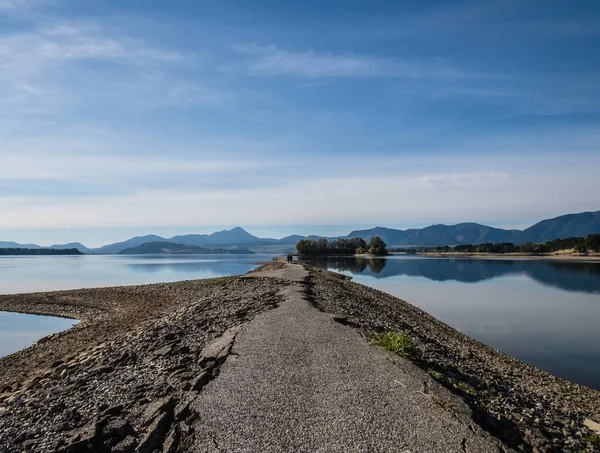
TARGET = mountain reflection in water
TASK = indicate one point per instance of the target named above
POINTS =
(567, 275)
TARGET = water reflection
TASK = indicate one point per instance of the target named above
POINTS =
(45, 273)
(191, 268)
(355, 265)
(542, 312)
(567, 275)
(17, 330)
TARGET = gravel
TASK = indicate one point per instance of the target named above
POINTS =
(529, 409)
(123, 378)
(129, 375)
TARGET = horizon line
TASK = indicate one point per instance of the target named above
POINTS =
(355, 227)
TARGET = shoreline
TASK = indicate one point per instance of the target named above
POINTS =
(511, 398)
(339, 255)
(153, 335)
(522, 256)
(123, 375)
(101, 315)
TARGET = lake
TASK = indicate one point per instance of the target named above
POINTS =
(544, 312)
(24, 274)
(18, 331)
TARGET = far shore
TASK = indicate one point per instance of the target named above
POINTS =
(525, 256)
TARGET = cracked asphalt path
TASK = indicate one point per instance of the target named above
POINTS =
(297, 381)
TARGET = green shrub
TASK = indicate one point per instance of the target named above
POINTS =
(398, 343)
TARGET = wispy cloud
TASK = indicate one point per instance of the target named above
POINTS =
(388, 200)
(17, 5)
(32, 54)
(45, 68)
(144, 118)
(83, 41)
(72, 167)
(272, 61)
(448, 189)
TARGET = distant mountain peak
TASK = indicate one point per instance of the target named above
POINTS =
(237, 234)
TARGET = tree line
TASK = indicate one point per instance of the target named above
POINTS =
(23, 251)
(341, 246)
(591, 243)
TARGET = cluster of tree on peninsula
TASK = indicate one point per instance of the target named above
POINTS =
(23, 251)
(591, 243)
(341, 246)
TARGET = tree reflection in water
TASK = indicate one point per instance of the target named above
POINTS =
(354, 264)
(566, 275)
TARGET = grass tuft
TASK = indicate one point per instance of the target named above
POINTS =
(449, 382)
(436, 375)
(398, 343)
(592, 439)
(466, 388)
(446, 403)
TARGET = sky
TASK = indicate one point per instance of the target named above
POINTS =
(125, 118)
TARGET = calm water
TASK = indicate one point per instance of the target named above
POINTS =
(17, 331)
(46, 273)
(39, 273)
(546, 313)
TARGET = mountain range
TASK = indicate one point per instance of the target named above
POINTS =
(564, 226)
(172, 248)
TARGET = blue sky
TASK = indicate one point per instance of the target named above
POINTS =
(121, 118)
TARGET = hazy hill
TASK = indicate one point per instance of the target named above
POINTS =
(170, 248)
(389, 235)
(71, 245)
(291, 239)
(14, 245)
(236, 235)
(226, 237)
(462, 233)
(133, 242)
(564, 226)
(572, 225)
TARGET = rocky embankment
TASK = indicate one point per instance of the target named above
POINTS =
(529, 409)
(123, 379)
(128, 377)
